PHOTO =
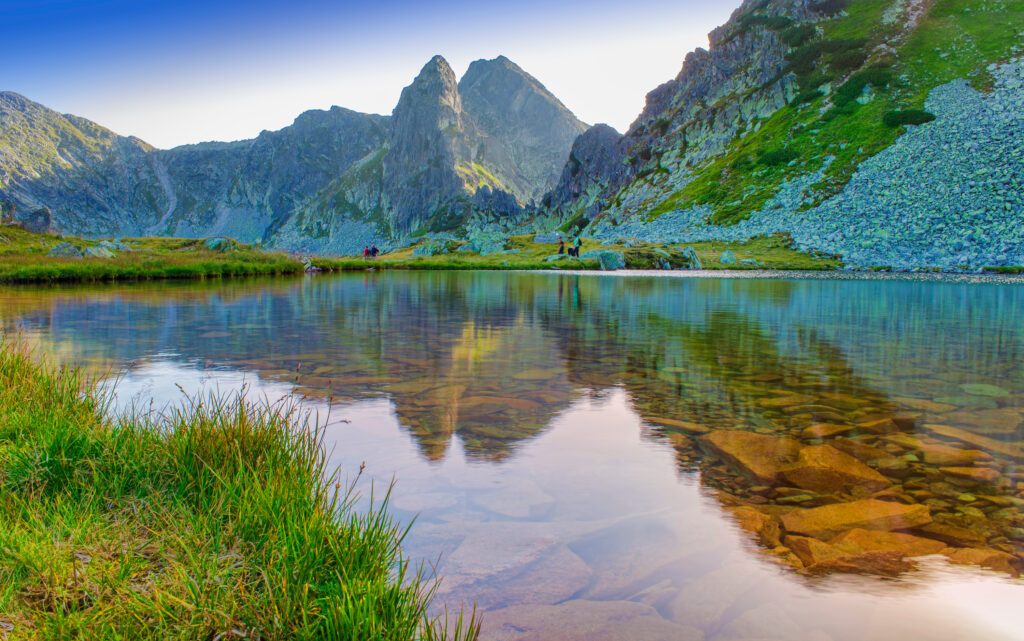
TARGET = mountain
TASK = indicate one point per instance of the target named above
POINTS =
(332, 181)
(889, 133)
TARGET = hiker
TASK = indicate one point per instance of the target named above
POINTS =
(366, 251)
(576, 245)
(374, 251)
(561, 246)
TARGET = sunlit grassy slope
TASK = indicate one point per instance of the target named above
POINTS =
(839, 64)
(24, 259)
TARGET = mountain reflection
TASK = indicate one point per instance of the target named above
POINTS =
(852, 399)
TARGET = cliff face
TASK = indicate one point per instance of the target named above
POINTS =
(332, 181)
(782, 124)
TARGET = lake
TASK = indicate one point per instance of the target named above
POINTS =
(629, 456)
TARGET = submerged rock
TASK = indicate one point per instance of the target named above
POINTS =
(986, 558)
(859, 539)
(819, 557)
(825, 469)
(757, 455)
(763, 526)
(579, 620)
(870, 514)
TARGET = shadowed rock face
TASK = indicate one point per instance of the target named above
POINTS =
(694, 116)
(332, 181)
(430, 135)
(594, 165)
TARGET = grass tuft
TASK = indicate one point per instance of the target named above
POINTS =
(218, 520)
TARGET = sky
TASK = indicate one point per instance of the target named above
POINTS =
(187, 71)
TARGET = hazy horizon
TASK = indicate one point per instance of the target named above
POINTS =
(186, 72)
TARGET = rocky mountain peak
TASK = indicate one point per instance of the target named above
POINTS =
(525, 131)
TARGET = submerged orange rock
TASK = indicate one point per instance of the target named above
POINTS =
(870, 514)
(825, 469)
(859, 539)
(819, 557)
(758, 455)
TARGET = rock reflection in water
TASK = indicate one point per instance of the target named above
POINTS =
(842, 428)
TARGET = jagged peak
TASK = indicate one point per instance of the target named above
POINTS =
(436, 66)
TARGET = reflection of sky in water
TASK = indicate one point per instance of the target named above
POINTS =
(590, 510)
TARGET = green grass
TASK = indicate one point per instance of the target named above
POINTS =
(955, 39)
(221, 520)
(774, 252)
(23, 259)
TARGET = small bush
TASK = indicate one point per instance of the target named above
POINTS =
(743, 163)
(850, 90)
(846, 61)
(829, 7)
(798, 35)
(775, 23)
(803, 97)
(777, 157)
(804, 59)
(814, 80)
(907, 117)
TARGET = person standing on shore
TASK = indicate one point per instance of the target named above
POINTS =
(561, 246)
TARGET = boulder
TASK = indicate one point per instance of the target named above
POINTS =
(609, 260)
(550, 238)
(114, 245)
(953, 534)
(828, 521)
(756, 522)
(220, 244)
(98, 252)
(819, 557)
(691, 259)
(65, 250)
(826, 470)
(860, 540)
(727, 257)
(39, 221)
(757, 455)
(984, 557)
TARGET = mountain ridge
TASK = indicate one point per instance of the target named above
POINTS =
(314, 185)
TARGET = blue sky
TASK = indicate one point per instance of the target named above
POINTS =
(186, 71)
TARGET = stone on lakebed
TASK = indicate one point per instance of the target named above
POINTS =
(760, 456)
(819, 557)
(826, 470)
(832, 520)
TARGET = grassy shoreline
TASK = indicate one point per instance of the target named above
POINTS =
(220, 520)
(25, 258)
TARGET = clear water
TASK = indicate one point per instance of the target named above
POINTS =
(523, 419)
